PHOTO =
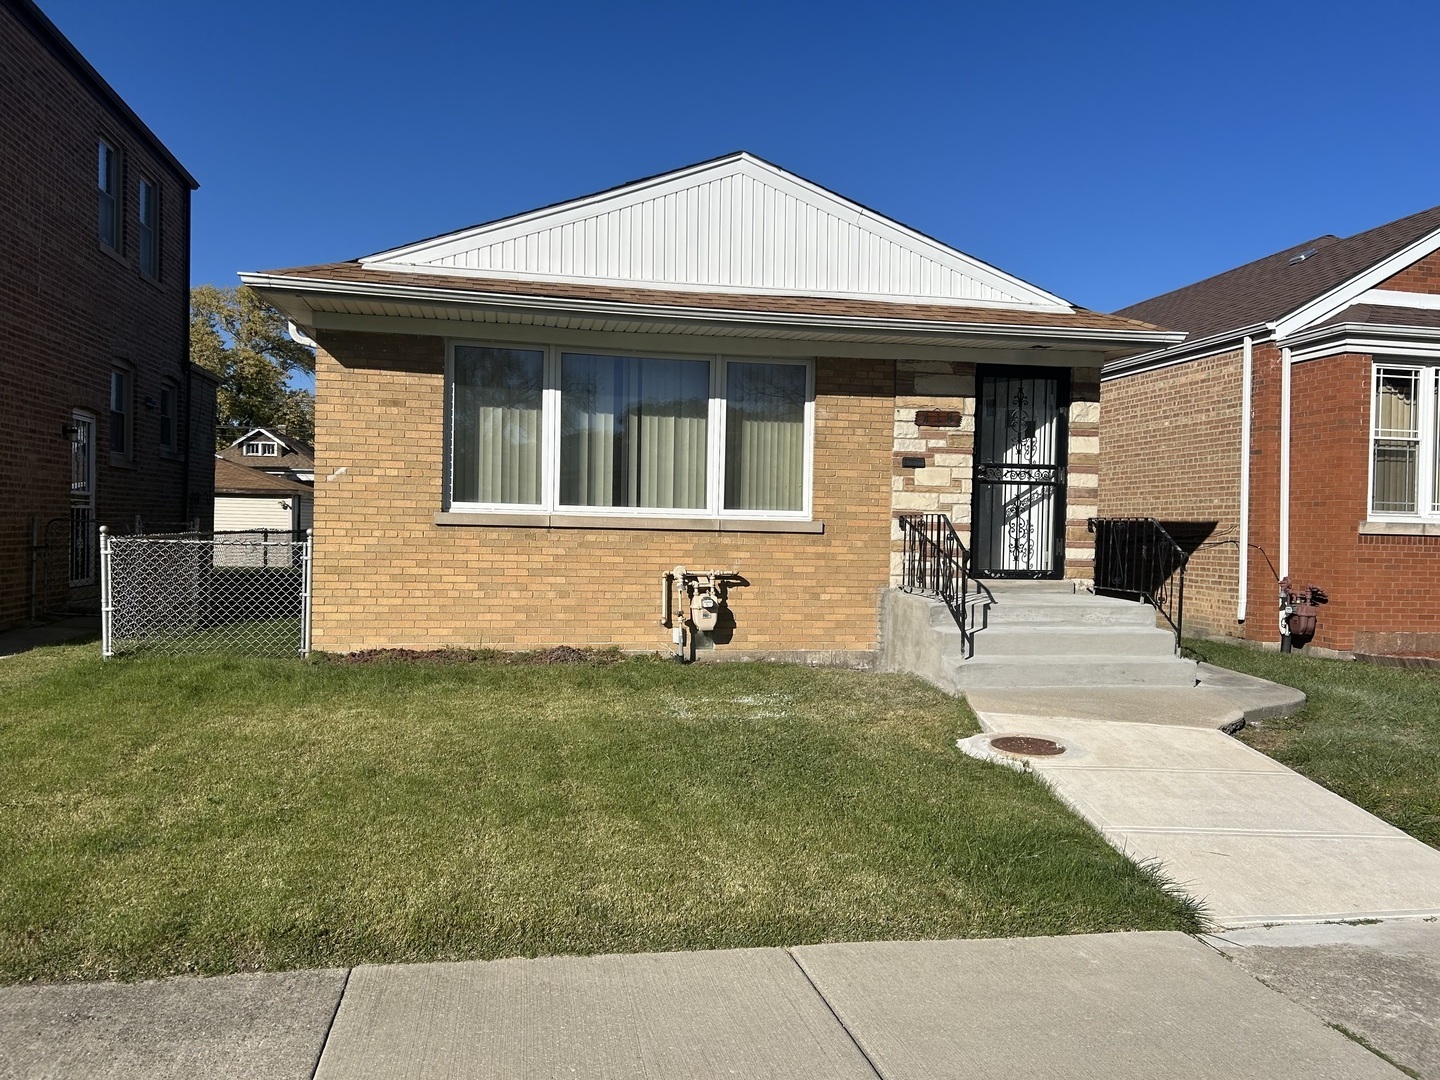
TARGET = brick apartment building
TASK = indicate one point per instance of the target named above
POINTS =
(104, 420)
(1295, 432)
(522, 426)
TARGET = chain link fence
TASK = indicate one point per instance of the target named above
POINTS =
(246, 592)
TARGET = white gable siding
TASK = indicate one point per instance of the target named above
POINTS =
(736, 224)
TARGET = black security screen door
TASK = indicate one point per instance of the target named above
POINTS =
(1018, 519)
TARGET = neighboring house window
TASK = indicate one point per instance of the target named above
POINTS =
(1405, 441)
(149, 229)
(261, 449)
(580, 432)
(121, 412)
(109, 181)
(169, 415)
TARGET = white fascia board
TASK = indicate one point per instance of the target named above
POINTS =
(422, 253)
(1365, 338)
(761, 319)
(1342, 296)
(1393, 298)
(1185, 351)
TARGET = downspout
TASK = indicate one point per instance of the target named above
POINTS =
(1285, 463)
(1246, 371)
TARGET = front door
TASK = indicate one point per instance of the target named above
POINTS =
(1018, 516)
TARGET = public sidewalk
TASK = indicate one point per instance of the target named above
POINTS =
(1116, 1006)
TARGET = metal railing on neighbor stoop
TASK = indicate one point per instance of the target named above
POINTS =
(206, 592)
(1136, 557)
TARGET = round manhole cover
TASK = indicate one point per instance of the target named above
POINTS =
(1027, 745)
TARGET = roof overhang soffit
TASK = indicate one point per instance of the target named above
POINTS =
(307, 302)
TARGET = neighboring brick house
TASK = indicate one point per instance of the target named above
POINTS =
(1331, 350)
(103, 418)
(522, 425)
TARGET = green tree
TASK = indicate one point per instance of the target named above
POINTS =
(242, 340)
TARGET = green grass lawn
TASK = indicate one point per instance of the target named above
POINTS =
(203, 814)
(1370, 733)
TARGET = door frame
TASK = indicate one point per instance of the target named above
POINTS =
(1061, 376)
(83, 420)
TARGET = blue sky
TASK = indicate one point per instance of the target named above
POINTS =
(1105, 151)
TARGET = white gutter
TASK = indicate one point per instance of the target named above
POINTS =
(1285, 462)
(1247, 372)
(572, 306)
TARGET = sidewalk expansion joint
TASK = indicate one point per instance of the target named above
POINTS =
(325, 1039)
(838, 1019)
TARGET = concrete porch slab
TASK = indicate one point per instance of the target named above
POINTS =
(744, 1012)
(1118, 1006)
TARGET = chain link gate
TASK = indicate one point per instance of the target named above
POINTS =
(246, 592)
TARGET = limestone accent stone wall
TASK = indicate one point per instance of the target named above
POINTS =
(943, 484)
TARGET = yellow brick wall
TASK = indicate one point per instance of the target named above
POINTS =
(387, 575)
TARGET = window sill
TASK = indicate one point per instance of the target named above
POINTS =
(121, 461)
(110, 252)
(599, 521)
(1400, 528)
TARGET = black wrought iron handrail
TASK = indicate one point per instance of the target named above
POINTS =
(936, 563)
(1135, 556)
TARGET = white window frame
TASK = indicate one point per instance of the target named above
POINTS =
(149, 232)
(260, 448)
(170, 389)
(1429, 431)
(110, 186)
(126, 455)
(550, 437)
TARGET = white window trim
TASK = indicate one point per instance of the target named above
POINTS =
(153, 227)
(1426, 450)
(550, 504)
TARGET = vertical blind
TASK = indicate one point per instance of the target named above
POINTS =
(496, 425)
(764, 436)
(633, 431)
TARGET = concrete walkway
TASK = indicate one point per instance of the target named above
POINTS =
(1116, 1006)
(57, 631)
(1256, 841)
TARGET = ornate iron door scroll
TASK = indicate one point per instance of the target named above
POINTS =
(1019, 490)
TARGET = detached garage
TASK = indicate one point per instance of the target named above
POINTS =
(248, 500)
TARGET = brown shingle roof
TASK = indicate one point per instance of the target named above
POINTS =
(296, 455)
(1384, 315)
(1268, 288)
(233, 479)
(1080, 318)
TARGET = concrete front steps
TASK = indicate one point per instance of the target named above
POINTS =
(1025, 635)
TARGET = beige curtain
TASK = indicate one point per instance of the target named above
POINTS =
(496, 425)
(633, 431)
(764, 436)
(1397, 440)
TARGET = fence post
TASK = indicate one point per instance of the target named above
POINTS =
(307, 557)
(106, 609)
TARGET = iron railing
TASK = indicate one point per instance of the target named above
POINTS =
(936, 562)
(1135, 556)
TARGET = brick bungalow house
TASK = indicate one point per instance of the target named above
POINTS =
(522, 425)
(103, 418)
(1294, 432)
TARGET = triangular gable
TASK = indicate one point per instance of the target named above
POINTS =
(736, 223)
(267, 433)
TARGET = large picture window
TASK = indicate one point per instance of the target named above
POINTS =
(1405, 441)
(554, 429)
